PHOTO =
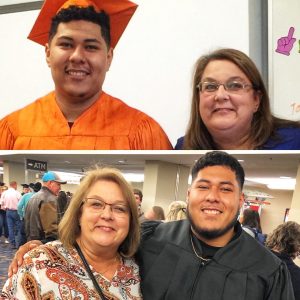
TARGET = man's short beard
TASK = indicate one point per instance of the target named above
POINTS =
(210, 234)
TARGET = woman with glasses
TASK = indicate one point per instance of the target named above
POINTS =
(284, 242)
(98, 236)
(231, 108)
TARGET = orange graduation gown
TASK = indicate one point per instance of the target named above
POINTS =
(108, 124)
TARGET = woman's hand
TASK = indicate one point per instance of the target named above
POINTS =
(18, 258)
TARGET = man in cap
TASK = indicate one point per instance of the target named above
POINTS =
(33, 188)
(79, 37)
(26, 188)
(41, 211)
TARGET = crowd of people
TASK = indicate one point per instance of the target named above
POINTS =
(33, 214)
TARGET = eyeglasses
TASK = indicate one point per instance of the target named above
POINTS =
(97, 205)
(230, 86)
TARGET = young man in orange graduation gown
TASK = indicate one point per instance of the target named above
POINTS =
(79, 43)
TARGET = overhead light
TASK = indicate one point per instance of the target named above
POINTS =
(122, 161)
(134, 177)
(282, 185)
(240, 160)
(190, 180)
(275, 183)
(71, 178)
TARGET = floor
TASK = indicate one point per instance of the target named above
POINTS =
(6, 254)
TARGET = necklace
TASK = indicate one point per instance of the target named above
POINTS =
(110, 266)
(199, 256)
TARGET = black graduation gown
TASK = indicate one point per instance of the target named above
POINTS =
(242, 270)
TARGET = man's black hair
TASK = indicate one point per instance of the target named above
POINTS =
(220, 158)
(75, 13)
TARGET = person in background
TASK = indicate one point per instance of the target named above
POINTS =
(231, 108)
(79, 37)
(69, 196)
(26, 188)
(41, 218)
(34, 187)
(62, 204)
(3, 222)
(177, 211)
(284, 242)
(93, 258)
(138, 195)
(9, 202)
(155, 213)
(250, 221)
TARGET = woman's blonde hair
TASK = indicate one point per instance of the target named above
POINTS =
(69, 227)
(177, 211)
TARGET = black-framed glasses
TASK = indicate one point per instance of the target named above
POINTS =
(232, 86)
(98, 205)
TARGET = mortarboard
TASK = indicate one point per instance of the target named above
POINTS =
(25, 185)
(119, 11)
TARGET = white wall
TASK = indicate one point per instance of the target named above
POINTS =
(10, 2)
(284, 70)
(153, 61)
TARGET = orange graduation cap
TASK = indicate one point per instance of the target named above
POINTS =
(119, 11)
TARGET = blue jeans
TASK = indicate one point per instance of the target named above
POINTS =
(3, 224)
(14, 227)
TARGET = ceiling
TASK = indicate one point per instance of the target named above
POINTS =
(256, 164)
(13, 6)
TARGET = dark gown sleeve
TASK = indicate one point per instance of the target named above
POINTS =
(148, 228)
(281, 285)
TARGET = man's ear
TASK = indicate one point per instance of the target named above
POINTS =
(47, 53)
(242, 200)
(110, 55)
(187, 196)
